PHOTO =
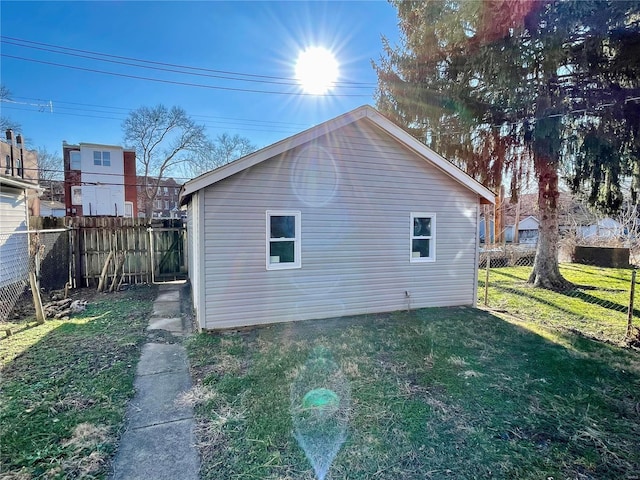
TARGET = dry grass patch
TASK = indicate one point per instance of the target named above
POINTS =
(435, 393)
(65, 386)
(196, 395)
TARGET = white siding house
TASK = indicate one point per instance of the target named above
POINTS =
(527, 231)
(352, 216)
(14, 223)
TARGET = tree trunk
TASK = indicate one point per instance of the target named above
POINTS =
(546, 273)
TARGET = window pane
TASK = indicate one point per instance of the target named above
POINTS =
(75, 160)
(421, 227)
(281, 252)
(106, 159)
(420, 248)
(97, 158)
(283, 226)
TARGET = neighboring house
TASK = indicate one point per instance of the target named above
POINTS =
(482, 230)
(352, 216)
(18, 162)
(53, 190)
(99, 180)
(52, 208)
(166, 203)
(603, 229)
(527, 231)
(14, 224)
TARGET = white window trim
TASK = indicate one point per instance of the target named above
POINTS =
(432, 238)
(297, 252)
(102, 153)
(77, 165)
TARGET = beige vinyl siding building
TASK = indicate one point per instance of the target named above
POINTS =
(352, 216)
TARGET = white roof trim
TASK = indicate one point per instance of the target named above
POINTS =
(312, 133)
(21, 184)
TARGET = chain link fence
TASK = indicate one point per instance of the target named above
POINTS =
(598, 300)
(22, 254)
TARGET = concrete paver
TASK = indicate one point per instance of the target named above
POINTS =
(149, 458)
(159, 442)
(173, 325)
(159, 404)
(160, 357)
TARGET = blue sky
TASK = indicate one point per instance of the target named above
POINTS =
(256, 41)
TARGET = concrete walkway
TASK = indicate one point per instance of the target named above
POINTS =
(159, 442)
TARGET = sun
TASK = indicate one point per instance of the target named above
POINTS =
(316, 70)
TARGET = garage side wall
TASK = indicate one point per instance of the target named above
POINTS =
(196, 256)
(355, 189)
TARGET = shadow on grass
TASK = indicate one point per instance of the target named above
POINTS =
(598, 301)
(509, 275)
(29, 323)
(433, 390)
(79, 372)
(581, 269)
(572, 293)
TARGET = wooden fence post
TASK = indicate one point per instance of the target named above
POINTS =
(630, 311)
(34, 252)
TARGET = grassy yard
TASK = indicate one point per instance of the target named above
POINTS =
(435, 393)
(597, 306)
(65, 385)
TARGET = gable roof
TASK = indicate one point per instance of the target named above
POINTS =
(364, 112)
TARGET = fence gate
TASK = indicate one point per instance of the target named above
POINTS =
(168, 254)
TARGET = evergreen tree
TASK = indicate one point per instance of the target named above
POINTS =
(508, 87)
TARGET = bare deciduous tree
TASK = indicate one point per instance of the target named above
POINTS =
(5, 122)
(216, 153)
(163, 139)
(50, 165)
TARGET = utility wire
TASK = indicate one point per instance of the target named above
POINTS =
(186, 84)
(219, 125)
(49, 103)
(289, 82)
(30, 44)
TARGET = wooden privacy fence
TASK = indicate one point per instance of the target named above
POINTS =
(114, 250)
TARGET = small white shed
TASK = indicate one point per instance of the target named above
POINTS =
(352, 216)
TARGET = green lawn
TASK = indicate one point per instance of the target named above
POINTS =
(65, 385)
(597, 306)
(434, 393)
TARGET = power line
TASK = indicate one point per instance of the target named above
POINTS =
(287, 82)
(176, 82)
(129, 109)
(218, 126)
(30, 44)
(56, 170)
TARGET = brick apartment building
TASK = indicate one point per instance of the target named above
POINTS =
(99, 180)
(166, 203)
(20, 163)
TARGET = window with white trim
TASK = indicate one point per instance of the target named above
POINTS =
(283, 239)
(423, 237)
(75, 162)
(102, 158)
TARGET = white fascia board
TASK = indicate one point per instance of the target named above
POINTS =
(21, 184)
(271, 151)
(329, 126)
(100, 145)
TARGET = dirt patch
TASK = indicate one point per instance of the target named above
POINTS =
(24, 310)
